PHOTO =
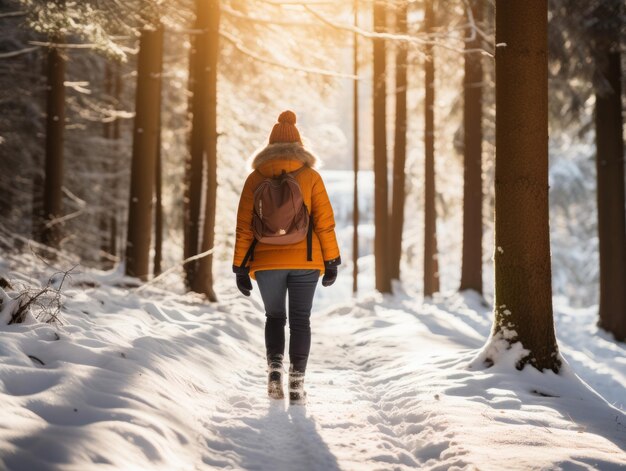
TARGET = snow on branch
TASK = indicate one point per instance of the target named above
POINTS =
(176, 267)
(308, 70)
(235, 14)
(435, 40)
(10, 14)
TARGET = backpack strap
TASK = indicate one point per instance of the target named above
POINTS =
(309, 241)
(249, 254)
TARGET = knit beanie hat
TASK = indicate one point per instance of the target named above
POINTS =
(285, 130)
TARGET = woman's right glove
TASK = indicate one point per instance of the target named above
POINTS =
(243, 280)
(330, 271)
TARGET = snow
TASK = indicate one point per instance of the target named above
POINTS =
(152, 379)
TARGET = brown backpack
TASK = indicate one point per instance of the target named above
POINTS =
(280, 216)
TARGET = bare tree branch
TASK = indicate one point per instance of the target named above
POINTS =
(8, 55)
(309, 70)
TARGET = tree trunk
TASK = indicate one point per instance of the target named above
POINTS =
(355, 165)
(472, 262)
(55, 128)
(195, 163)
(399, 149)
(117, 135)
(203, 279)
(610, 194)
(158, 210)
(523, 290)
(145, 142)
(107, 169)
(37, 205)
(381, 203)
(431, 265)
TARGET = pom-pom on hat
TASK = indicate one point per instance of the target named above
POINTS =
(285, 129)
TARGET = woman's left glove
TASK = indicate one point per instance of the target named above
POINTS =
(243, 280)
(330, 271)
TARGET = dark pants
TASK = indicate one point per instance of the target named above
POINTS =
(274, 286)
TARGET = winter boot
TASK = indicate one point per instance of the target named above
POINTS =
(297, 394)
(275, 377)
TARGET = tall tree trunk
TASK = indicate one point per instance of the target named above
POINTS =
(431, 265)
(203, 280)
(195, 162)
(145, 142)
(381, 203)
(55, 128)
(610, 194)
(115, 187)
(355, 164)
(472, 262)
(158, 210)
(107, 169)
(523, 290)
(399, 149)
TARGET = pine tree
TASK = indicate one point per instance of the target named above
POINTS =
(610, 170)
(145, 143)
(55, 130)
(381, 209)
(203, 147)
(523, 290)
(471, 266)
(431, 265)
(399, 149)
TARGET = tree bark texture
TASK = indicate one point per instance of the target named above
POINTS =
(399, 149)
(523, 290)
(381, 203)
(145, 142)
(431, 265)
(610, 194)
(206, 68)
(472, 258)
(55, 129)
(355, 163)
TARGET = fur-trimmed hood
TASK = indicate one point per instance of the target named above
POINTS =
(286, 151)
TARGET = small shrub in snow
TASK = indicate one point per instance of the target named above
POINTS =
(27, 304)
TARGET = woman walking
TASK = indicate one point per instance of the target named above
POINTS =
(285, 239)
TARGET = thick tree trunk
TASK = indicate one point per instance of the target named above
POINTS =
(195, 161)
(207, 76)
(55, 128)
(381, 203)
(355, 160)
(523, 290)
(431, 265)
(610, 194)
(145, 142)
(399, 149)
(472, 262)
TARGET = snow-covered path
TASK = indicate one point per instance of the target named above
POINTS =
(343, 426)
(154, 380)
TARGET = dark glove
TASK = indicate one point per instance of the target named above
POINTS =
(243, 280)
(330, 271)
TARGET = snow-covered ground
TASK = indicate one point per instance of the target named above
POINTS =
(150, 379)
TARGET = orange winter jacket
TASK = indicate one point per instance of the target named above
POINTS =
(271, 162)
